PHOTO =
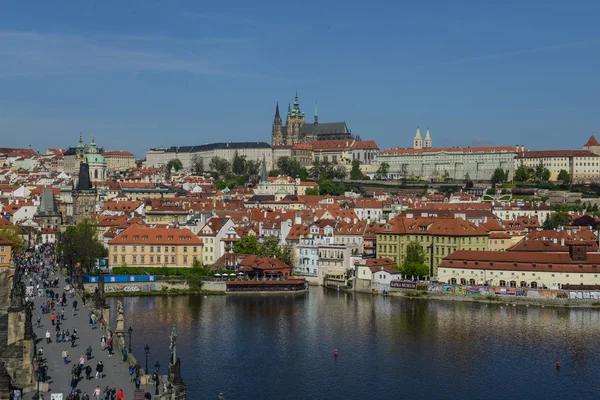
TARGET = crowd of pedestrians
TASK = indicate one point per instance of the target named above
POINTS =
(43, 285)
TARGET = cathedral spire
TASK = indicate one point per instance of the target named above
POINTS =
(316, 122)
(277, 111)
(264, 175)
(289, 110)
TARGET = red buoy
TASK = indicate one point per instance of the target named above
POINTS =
(335, 353)
(557, 365)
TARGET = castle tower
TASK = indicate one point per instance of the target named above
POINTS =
(427, 142)
(84, 195)
(294, 123)
(418, 140)
(277, 131)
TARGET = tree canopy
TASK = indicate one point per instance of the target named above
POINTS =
(219, 167)
(269, 247)
(355, 173)
(564, 176)
(415, 261)
(175, 164)
(79, 245)
(12, 233)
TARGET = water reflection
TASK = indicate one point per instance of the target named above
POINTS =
(273, 347)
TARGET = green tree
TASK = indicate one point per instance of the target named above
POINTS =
(284, 164)
(547, 225)
(312, 192)
(414, 254)
(13, 233)
(542, 174)
(498, 176)
(328, 187)
(415, 269)
(175, 164)
(239, 165)
(383, 170)
(288, 255)
(197, 165)
(564, 176)
(247, 245)
(79, 245)
(355, 172)
(523, 174)
(269, 248)
(303, 173)
(220, 167)
(253, 167)
(560, 219)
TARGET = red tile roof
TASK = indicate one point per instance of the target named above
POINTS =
(591, 142)
(137, 234)
(483, 149)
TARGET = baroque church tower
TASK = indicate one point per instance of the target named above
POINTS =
(277, 131)
(418, 140)
(427, 143)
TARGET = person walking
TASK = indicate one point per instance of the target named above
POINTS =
(99, 370)
(52, 318)
(124, 353)
(83, 300)
(97, 393)
(131, 371)
(39, 321)
(110, 348)
(88, 372)
(120, 395)
(103, 343)
(47, 336)
(65, 356)
(73, 338)
(85, 396)
(81, 361)
(88, 352)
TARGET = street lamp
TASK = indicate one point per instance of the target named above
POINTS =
(147, 350)
(130, 331)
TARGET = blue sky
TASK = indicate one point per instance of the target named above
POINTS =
(140, 74)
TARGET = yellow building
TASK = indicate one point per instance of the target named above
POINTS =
(154, 247)
(5, 252)
(552, 270)
(582, 165)
(439, 237)
(118, 160)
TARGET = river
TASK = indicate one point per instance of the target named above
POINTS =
(281, 347)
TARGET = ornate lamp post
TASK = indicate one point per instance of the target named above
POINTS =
(156, 368)
(147, 350)
(130, 331)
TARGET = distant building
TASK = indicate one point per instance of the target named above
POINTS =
(203, 154)
(582, 165)
(154, 247)
(5, 252)
(118, 160)
(527, 269)
(426, 162)
(296, 130)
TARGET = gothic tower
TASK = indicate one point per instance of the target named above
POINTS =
(277, 131)
(84, 195)
(427, 142)
(294, 122)
(418, 140)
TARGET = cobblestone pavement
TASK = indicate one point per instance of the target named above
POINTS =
(59, 374)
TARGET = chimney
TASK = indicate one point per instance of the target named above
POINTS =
(562, 242)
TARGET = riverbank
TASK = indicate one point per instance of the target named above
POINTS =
(497, 299)
(167, 292)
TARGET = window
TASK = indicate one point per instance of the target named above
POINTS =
(115, 259)
(172, 249)
(195, 249)
(143, 259)
(123, 249)
(123, 259)
(173, 259)
(134, 248)
(142, 249)
(134, 259)
(2, 249)
(185, 249)
(151, 249)
(185, 259)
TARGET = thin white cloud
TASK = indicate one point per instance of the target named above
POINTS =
(520, 52)
(27, 53)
